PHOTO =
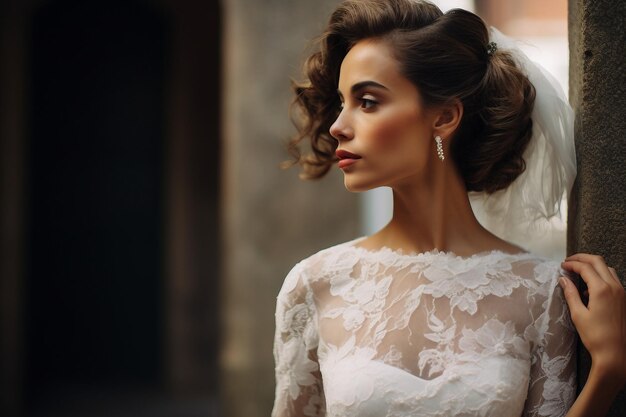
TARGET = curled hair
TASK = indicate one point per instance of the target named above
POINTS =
(445, 57)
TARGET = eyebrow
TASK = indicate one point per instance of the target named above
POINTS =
(363, 84)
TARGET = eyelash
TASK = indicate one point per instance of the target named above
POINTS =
(366, 103)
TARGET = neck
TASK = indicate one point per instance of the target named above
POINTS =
(434, 213)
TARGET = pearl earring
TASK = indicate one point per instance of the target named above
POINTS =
(439, 147)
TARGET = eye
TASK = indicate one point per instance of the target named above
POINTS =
(367, 103)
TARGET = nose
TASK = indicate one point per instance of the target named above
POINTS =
(340, 129)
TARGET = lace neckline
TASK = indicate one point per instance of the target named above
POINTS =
(405, 255)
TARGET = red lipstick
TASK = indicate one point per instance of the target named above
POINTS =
(346, 158)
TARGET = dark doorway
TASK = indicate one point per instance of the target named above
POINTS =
(95, 191)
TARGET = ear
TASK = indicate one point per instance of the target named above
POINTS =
(447, 119)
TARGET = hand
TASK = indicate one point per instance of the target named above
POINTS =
(602, 323)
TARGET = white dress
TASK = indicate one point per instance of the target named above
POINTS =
(381, 333)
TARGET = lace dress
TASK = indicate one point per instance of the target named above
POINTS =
(382, 333)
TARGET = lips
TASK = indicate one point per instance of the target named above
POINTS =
(346, 158)
(342, 154)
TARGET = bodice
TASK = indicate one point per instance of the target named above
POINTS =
(384, 333)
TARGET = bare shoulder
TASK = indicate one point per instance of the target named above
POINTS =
(495, 243)
(508, 247)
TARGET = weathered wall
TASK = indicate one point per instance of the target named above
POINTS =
(271, 218)
(597, 35)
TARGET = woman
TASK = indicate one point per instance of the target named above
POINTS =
(433, 315)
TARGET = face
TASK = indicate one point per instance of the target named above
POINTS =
(382, 122)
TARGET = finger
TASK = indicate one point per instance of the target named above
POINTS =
(572, 298)
(596, 261)
(614, 275)
(586, 271)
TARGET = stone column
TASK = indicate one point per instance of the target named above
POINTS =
(271, 219)
(597, 221)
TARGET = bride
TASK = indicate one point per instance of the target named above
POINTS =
(434, 315)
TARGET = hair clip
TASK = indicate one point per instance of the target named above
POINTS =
(492, 47)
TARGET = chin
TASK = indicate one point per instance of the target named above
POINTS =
(355, 186)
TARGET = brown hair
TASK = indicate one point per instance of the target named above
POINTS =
(446, 58)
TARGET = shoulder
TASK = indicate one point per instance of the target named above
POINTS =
(539, 273)
(545, 295)
(316, 266)
(535, 277)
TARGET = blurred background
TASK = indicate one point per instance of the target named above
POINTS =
(145, 224)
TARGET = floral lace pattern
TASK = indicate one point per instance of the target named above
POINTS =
(383, 333)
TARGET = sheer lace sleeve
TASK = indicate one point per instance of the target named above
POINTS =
(551, 391)
(298, 380)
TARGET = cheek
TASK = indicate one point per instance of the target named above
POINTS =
(401, 134)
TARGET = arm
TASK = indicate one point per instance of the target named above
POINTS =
(298, 380)
(602, 329)
(552, 385)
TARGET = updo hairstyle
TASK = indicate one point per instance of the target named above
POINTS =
(445, 56)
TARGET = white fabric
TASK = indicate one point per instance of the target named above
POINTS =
(382, 333)
(528, 209)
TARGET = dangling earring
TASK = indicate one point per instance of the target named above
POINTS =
(439, 147)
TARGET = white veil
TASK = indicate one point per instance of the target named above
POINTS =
(528, 212)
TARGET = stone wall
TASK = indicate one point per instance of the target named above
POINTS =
(271, 218)
(597, 221)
